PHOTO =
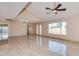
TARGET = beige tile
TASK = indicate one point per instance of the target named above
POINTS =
(38, 46)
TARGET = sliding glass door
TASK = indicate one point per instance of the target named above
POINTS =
(3, 31)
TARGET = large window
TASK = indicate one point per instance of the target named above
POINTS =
(3, 31)
(57, 28)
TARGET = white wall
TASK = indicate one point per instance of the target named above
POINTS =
(72, 28)
(17, 28)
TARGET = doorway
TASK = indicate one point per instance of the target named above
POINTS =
(28, 29)
(39, 29)
(3, 31)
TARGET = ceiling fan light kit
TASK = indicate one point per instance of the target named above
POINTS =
(54, 11)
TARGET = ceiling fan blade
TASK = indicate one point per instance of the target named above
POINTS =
(61, 9)
(49, 12)
(48, 8)
(58, 6)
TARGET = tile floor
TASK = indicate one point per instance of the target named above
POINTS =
(38, 46)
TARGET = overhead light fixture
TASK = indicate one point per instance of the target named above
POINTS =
(54, 11)
(56, 8)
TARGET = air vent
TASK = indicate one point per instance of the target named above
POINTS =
(8, 19)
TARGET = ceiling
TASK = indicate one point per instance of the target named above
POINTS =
(9, 10)
(36, 12)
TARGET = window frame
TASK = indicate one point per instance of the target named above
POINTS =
(54, 28)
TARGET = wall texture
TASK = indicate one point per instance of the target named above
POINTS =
(17, 28)
(72, 28)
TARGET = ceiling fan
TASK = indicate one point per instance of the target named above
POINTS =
(56, 8)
